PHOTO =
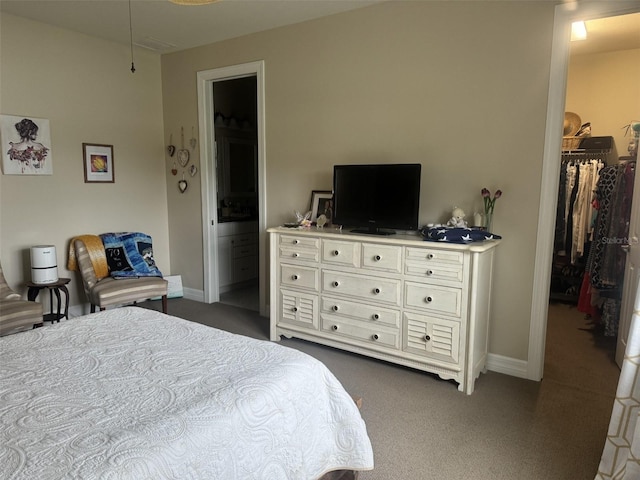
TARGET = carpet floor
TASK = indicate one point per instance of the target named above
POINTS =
(423, 428)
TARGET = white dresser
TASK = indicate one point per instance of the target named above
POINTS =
(398, 298)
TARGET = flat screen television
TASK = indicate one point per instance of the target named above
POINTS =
(377, 199)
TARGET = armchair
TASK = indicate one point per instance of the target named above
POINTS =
(88, 253)
(16, 314)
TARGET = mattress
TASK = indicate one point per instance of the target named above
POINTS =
(131, 393)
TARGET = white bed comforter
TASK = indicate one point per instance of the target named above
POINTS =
(135, 394)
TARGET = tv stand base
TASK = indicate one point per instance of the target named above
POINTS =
(375, 231)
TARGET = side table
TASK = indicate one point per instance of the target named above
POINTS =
(54, 288)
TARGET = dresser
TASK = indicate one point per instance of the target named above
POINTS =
(397, 298)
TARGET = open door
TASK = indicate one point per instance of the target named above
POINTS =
(631, 245)
(208, 177)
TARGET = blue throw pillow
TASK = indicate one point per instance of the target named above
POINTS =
(457, 234)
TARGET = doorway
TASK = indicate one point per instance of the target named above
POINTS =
(236, 166)
(565, 15)
(233, 199)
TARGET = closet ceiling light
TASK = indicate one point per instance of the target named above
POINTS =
(192, 2)
(578, 31)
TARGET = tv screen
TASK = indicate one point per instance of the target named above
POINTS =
(377, 199)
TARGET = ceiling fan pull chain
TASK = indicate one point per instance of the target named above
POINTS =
(133, 67)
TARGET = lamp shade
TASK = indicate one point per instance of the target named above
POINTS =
(44, 264)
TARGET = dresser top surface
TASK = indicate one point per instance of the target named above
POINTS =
(395, 239)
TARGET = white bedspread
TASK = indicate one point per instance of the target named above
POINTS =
(135, 394)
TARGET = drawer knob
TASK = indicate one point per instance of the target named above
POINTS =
(334, 327)
(296, 255)
(375, 316)
(377, 258)
(375, 336)
(335, 308)
(294, 277)
(429, 272)
(294, 309)
(336, 253)
(430, 256)
(427, 338)
(428, 299)
(335, 284)
(295, 242)
(376, 291)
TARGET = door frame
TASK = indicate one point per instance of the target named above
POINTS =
(565, 14)
(208, 179)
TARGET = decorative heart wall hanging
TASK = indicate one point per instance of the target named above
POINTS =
(183, 153)
(182, 185)
(171, 149)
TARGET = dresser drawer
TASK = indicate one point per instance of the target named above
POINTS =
(336, 252)
(433, 298)
(382, 257)
(434, 271)
(299, 241)
(371, 335)
(298, 309)
(431, 337)
(433, 256)
(293, 254)
(245, 268)
(299, 276)
(363, 312)
(245, 250)
(244, 239)
(368, 288)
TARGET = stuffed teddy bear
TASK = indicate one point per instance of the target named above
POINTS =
(457, 219)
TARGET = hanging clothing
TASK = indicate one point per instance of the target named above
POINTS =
(614, 193)
(579, 174)
(606, 261)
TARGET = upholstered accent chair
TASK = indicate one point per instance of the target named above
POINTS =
(16, 314)
(104, 291)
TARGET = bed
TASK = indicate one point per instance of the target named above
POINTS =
(131, 393)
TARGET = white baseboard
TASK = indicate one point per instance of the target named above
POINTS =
(193, 294)
(507, 365)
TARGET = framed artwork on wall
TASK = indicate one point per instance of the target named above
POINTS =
(26, 145)
(321, 203)
(98, 163)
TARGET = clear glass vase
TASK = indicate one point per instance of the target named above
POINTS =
(488, 219)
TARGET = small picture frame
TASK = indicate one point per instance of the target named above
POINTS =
(98, 163)
(321, 203)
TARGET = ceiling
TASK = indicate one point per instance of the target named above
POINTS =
(609, 34)
(164, 27)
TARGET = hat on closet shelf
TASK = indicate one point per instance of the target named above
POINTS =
(572, 124)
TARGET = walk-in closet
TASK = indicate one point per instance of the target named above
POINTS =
(595, 189)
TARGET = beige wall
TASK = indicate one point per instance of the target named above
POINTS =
(604, 89)
(84, 87)
(459, 86)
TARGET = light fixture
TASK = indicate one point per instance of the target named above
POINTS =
(192, 2)
(578, 31)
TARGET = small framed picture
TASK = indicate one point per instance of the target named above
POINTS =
(321, 204)
(98, 163)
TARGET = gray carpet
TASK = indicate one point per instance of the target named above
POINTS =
(422, 428)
